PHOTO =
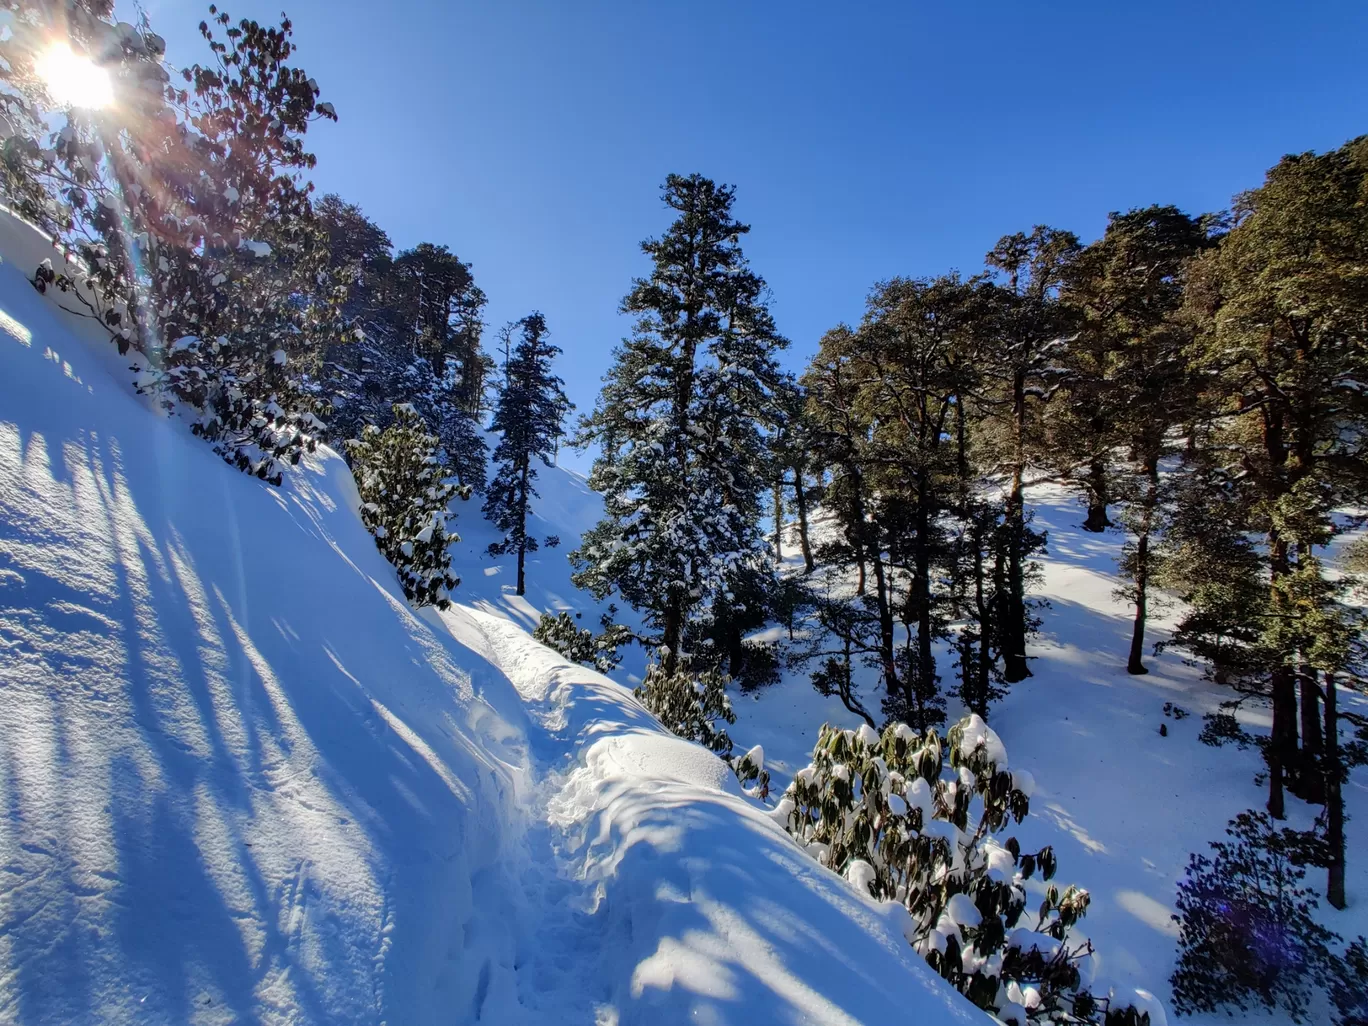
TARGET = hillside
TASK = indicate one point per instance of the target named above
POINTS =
(243, 782)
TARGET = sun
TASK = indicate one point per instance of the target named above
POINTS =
(74, 80)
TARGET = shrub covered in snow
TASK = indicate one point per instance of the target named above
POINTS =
(692, 704)
(580, 644)
(750, 771)
(1247, 934)
(888, 813)
(404, 496)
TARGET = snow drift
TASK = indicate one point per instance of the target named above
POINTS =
(244, 782)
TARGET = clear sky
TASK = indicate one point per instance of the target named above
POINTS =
(866, 140)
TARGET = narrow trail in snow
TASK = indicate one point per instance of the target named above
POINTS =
(560, 947)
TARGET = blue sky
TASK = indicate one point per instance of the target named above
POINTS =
(866, 140)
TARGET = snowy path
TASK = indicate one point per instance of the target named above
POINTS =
(650, 875)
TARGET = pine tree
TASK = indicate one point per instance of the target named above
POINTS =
(1128, 385)
(531, 409)
(417, 326)
(1024, 329)
(1282, 354)
(683, 423)
(405, 493)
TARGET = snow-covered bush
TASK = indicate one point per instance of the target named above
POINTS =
(888, 813)
(1246, 931)
(751, 773)
(580, 644)
(693, 705)
(404, 496)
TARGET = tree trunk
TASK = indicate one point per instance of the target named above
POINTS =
(1014, 667)
(859, 528)
(925, 670)
(984, 665)
(1275, 782)
(890, 666)
(800, 500)
(674, 622)
(1282, 747)
(522, 530)
(1312, 780)
(779, 519)
(1334, 799)
(1097, 520)
(1135, 662)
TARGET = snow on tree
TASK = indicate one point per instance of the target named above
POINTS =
(889, 813)
(528, 417)
(580, 644)
(404, 498)
(683, 424)
(194, 238)
(418, 325)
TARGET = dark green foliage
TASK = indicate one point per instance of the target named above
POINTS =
(417, 338)
(531, 408)
(580, 644)
(693, 705)
(683, 424)
(216, 274)
(716, 637)
(1247, 933)
(865, 807)
(404, 498)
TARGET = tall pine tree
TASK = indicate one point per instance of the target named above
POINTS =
(531, 409)
(683, 424)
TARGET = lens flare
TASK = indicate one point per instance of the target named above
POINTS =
(74, 80)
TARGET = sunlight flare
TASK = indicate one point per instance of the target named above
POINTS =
(73, 79)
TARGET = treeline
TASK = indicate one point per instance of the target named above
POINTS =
(1198, 380)
(269, 320)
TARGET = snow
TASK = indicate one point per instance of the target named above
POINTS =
(1122, 805)
(243, 781)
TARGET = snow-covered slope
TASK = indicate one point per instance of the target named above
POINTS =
(243, 782)
(241, 779)
(1122, 804)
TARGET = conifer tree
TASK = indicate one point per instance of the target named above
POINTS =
(405, 493)
(530, 411)
(1282, 355)
(683, 424)
(417, 321)
(196, 238)
(1128, 385)
(1025, 329)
